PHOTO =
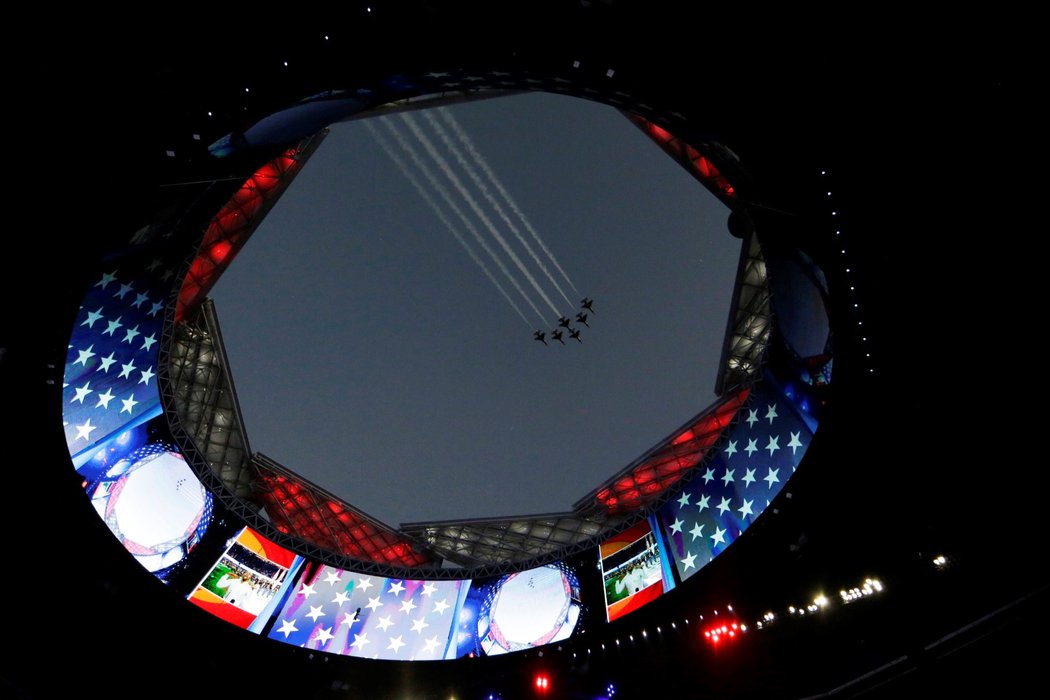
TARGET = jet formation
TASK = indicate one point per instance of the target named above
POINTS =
(556, 333)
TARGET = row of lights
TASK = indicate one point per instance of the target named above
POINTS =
(837, 225)
(720, 629)
(870, 586)
(714, 634)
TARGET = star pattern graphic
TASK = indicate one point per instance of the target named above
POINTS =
(729, 492)
(113, 329)
(348, 613)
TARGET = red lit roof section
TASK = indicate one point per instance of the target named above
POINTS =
(695, 162)
(650, 478)
(298, 508)
(234, 223)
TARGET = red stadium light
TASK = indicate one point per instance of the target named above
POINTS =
(220, 251)
(723, 632)
(542, 683)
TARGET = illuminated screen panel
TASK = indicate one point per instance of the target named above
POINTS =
(150, 499)
(247, 581)
(739, 482)
(110, 373)
(520, 611)
(351, 614)
(634, 570)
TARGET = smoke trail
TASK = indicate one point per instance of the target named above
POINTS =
(407, 118)
(403, 167)
(432, 179)
(440, 131)
(465, 139)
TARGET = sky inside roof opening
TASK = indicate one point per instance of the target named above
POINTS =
(381, 323)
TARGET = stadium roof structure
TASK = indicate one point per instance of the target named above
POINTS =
(203, 399)
(200, 146)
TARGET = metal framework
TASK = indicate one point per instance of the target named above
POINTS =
(473, 543)
(207, 404)
(751, 320)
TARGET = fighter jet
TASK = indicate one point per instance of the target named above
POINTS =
(586, 303)
(582, 318)
(556, 334)
(540, 336)
(575, 333)
(564, 322)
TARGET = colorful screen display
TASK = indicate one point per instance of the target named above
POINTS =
(634, 570)
(244, 585)
(147, 495)
(111, 365)
(522, 610)
(352, 614)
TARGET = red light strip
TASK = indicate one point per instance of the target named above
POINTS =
(231, 226)
(667, 465)
(695, 162)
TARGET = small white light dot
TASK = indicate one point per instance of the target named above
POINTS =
(609, 73)
(829, 194)
(286, 64)
(575, 64)
(834, 213)
(246, 89)
(209, 114)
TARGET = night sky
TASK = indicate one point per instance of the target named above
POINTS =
(374, 356)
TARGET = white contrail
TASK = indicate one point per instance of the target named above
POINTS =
(454, 150)
(403, 167)
(465, 139)
(423, 168)
(443, 164)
